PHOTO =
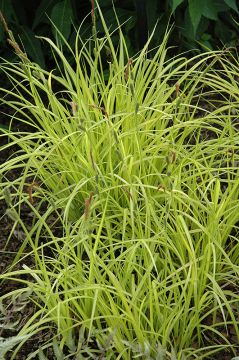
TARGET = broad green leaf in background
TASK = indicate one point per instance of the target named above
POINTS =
(195, 12)
(210, 10)
(8, 13)
(42, 11)
(1, 33)
(176, 3)
(32, 45)
(123, 16)
(104, 3)
(7, 9)
(232, 4)
(2, 126)
(187, 29)
(130, 24)
(61, 16)
(205, 42)
(152, 14)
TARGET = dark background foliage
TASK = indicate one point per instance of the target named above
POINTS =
(198, 24)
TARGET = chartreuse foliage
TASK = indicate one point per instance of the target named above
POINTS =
(140, 174)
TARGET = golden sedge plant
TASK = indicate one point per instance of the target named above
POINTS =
(137, 168)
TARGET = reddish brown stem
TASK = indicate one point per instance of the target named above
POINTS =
(30, 191)
(87, 205)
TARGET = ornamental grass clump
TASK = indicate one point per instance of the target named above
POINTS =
(134, 162)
